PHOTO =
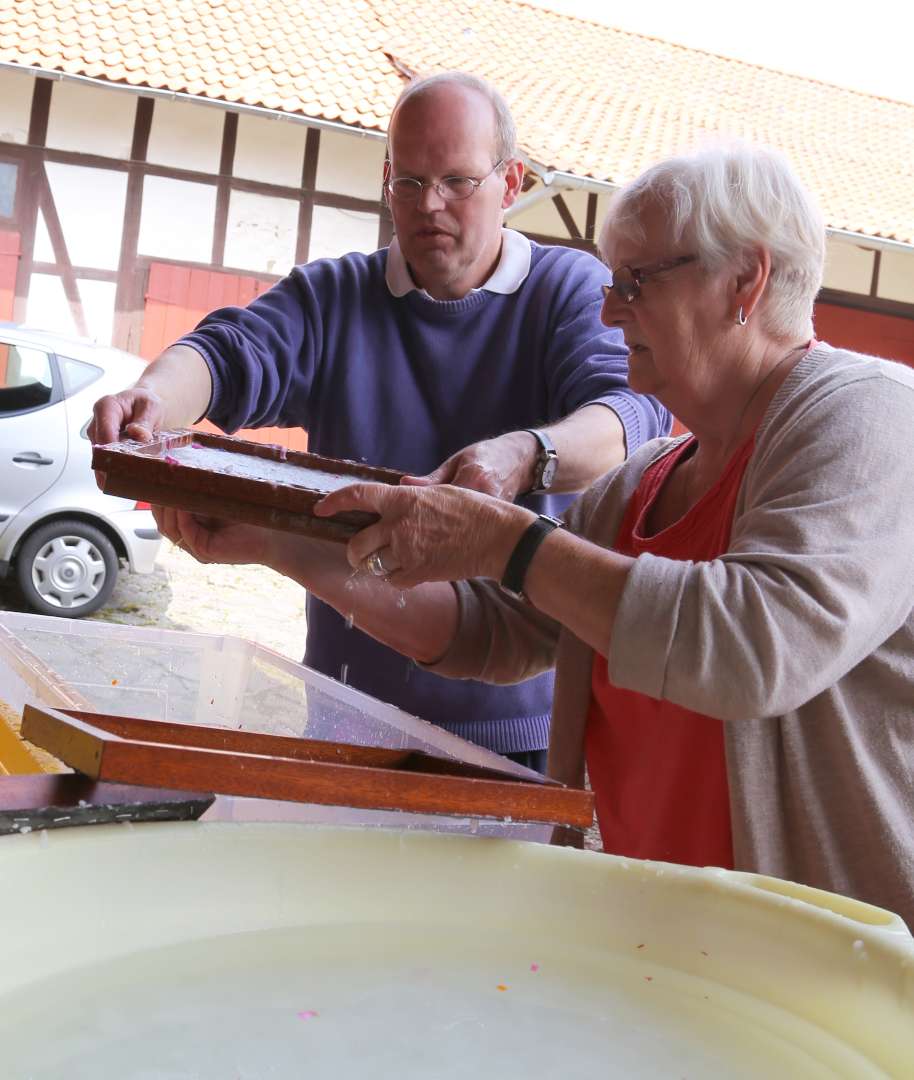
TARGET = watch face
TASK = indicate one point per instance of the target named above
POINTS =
(549, 470)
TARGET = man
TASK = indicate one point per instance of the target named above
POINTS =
(450, 345)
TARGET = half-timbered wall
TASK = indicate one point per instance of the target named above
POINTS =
(106, 194)
(98, 186)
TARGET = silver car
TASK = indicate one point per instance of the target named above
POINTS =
(60, 537)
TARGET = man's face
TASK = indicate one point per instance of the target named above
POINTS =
(450, 246)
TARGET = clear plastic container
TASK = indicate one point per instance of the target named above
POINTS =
(225, 681)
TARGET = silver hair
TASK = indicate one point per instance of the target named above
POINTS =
(724, 202)
(505, 131)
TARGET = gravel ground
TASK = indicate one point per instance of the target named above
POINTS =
(251, 602)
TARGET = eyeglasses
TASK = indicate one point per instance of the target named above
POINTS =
(451, 188)
(626, 283)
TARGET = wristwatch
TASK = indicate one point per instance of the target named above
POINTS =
(547, 462)
(536, 532)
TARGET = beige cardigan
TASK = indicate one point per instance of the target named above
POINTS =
(800, 638)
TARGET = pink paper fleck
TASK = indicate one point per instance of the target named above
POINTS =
(534, 967)
(171, 460)
(306, 1014)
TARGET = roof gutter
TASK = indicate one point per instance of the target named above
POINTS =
(879, 243)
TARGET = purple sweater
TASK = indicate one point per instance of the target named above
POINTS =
(405, 382)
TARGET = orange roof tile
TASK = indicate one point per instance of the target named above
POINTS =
(341, 61)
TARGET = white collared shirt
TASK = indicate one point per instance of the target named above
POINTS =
(511, 272)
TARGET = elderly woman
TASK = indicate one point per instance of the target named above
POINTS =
(731, 613)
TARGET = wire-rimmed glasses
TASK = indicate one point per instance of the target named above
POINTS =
(451, 188)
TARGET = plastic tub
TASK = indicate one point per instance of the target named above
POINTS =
(212, 951)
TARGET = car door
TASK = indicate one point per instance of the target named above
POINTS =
(33, 427)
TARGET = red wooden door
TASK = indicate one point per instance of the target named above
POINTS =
(9, 264)
(868, 332)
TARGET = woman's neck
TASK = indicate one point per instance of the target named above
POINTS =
(724, 423)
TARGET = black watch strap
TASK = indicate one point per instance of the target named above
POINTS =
(536, 532)
(546, 461)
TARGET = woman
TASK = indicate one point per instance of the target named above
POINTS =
(730, 613)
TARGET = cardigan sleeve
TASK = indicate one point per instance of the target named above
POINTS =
(503, 640)
(820, 569)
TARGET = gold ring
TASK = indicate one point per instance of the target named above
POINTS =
(374, 564)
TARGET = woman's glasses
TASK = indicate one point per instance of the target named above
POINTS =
(626, 283)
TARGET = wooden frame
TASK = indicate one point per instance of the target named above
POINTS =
(149, 472)
(193, 758)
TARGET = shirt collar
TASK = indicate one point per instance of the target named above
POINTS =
(511, 272)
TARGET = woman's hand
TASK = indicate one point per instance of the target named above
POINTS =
(439, 533)
(212, 541)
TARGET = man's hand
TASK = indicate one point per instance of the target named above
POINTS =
(502, 467)
(440, 533)
(212, 541)
(137, 413)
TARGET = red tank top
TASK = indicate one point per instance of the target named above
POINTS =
(658, 770)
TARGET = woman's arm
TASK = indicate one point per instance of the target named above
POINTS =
(421, 623)
(445, 533)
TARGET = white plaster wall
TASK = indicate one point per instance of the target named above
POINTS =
(542, 218)
(43, 250)
(47, 306)
(896, 276)
(272, 151)
(186, 136)
(350, 165)
(90, 205)
(603, 204)
(177, 219)
(15, 105)
(98, 308)
(847, 267)
(261, 233)
(336, 232)
(576, 200)
(91, 120)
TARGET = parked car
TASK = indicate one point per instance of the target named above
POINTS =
(61, 538)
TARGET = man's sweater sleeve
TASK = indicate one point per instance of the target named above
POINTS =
(587, 362)
(263, 357)
(820, 569)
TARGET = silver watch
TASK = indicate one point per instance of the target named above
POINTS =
(547, 462)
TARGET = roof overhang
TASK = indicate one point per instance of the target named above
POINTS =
(553, 181)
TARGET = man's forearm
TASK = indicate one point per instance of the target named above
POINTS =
(180, 377)
(589, 442)
(420, 622)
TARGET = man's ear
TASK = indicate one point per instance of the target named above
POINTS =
(514, 178)
(750, 282)
(384, 197)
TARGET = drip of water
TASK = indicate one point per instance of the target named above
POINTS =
(344, 674)
(401, 601)
(349, 620)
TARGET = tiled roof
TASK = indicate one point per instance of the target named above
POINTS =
(588, 99)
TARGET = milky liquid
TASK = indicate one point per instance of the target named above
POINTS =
(255, 468)
(376, 1000)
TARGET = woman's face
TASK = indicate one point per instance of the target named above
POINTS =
(671, 326)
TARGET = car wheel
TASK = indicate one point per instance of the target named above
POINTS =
(66, 568)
